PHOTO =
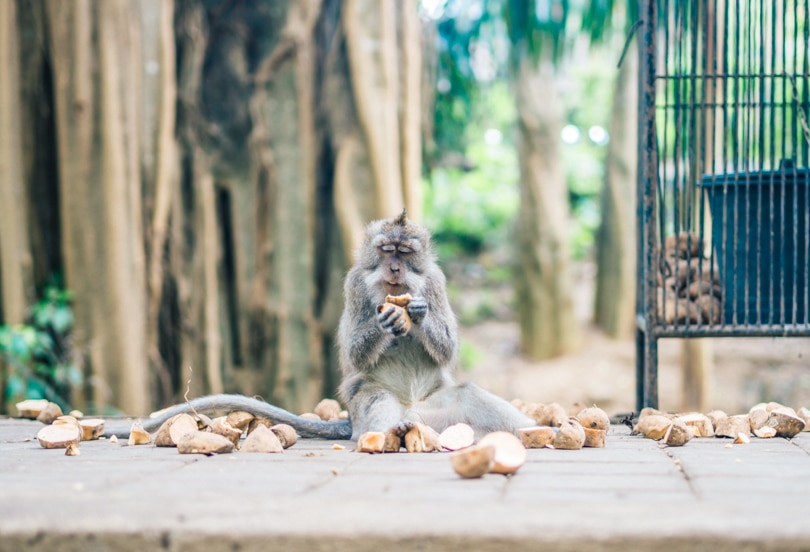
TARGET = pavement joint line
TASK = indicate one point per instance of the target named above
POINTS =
(679, 466)
(799, 446)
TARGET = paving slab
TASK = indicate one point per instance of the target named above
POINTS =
(634, 494)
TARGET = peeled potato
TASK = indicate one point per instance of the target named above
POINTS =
(422, 438)
(510, 454)
(653, 426)
(371, 441)
(457, 436)
(537, 437)
(571, 436)
(62, 432)
(475, 461)
(286, 434)
(174, 429)
(92, 429)
(31, 408)
(138, 435)
(262, 439)
(594, 438)
(328, 409)
(594, 418)
(48, 414)
(204, 442)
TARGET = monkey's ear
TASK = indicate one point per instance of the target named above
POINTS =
(402, 219)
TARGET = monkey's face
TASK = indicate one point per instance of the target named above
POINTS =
(396, 264)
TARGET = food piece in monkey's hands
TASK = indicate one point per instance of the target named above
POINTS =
(394, 319)
(399, 300)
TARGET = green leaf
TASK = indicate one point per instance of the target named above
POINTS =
(62, 319)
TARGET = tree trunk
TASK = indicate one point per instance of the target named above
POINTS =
(16, 278)
(96, 64)
(370, 28)
(616, 242)
(207, 212)
(697, 361)
(544, 285)
(16, 271)
(159, 166)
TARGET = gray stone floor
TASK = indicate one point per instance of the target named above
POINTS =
(631, 495)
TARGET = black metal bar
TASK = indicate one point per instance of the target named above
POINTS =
(728, 330)
(646, 359)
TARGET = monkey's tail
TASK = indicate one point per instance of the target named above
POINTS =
(341, 429)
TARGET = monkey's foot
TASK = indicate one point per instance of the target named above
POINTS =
(401, 428)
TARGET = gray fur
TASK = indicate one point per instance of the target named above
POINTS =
(227, 403)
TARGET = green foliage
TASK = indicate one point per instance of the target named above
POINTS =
(587, 105)
(469, 356)
(470, 205)
(536, 28)
(38, 353)
(468, 210)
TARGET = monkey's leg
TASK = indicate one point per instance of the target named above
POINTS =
(471, 405)
(373, 408)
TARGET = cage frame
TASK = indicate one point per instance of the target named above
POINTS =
(652, 169)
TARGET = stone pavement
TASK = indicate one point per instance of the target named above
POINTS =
(632, 495)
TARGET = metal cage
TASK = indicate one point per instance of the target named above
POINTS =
(723, 203)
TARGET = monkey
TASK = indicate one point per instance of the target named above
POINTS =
(392, 377)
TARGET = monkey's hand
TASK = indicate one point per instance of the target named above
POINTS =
(417, 309)
(393, 319)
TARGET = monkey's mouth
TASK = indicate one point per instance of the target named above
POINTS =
(392, 287)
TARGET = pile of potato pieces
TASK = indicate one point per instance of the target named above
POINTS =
(202, 435)
(498, 452)
(60, 431)
(764, 420)
(689, 288)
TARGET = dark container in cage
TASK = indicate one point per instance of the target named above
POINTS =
(760, 240)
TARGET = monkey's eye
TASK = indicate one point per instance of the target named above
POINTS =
(404, 249)
(388, 248)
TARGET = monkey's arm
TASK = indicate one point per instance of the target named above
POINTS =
(361, 338)
(225, 403)
(435, 324)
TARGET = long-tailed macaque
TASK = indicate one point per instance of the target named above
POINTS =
(394, 373)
